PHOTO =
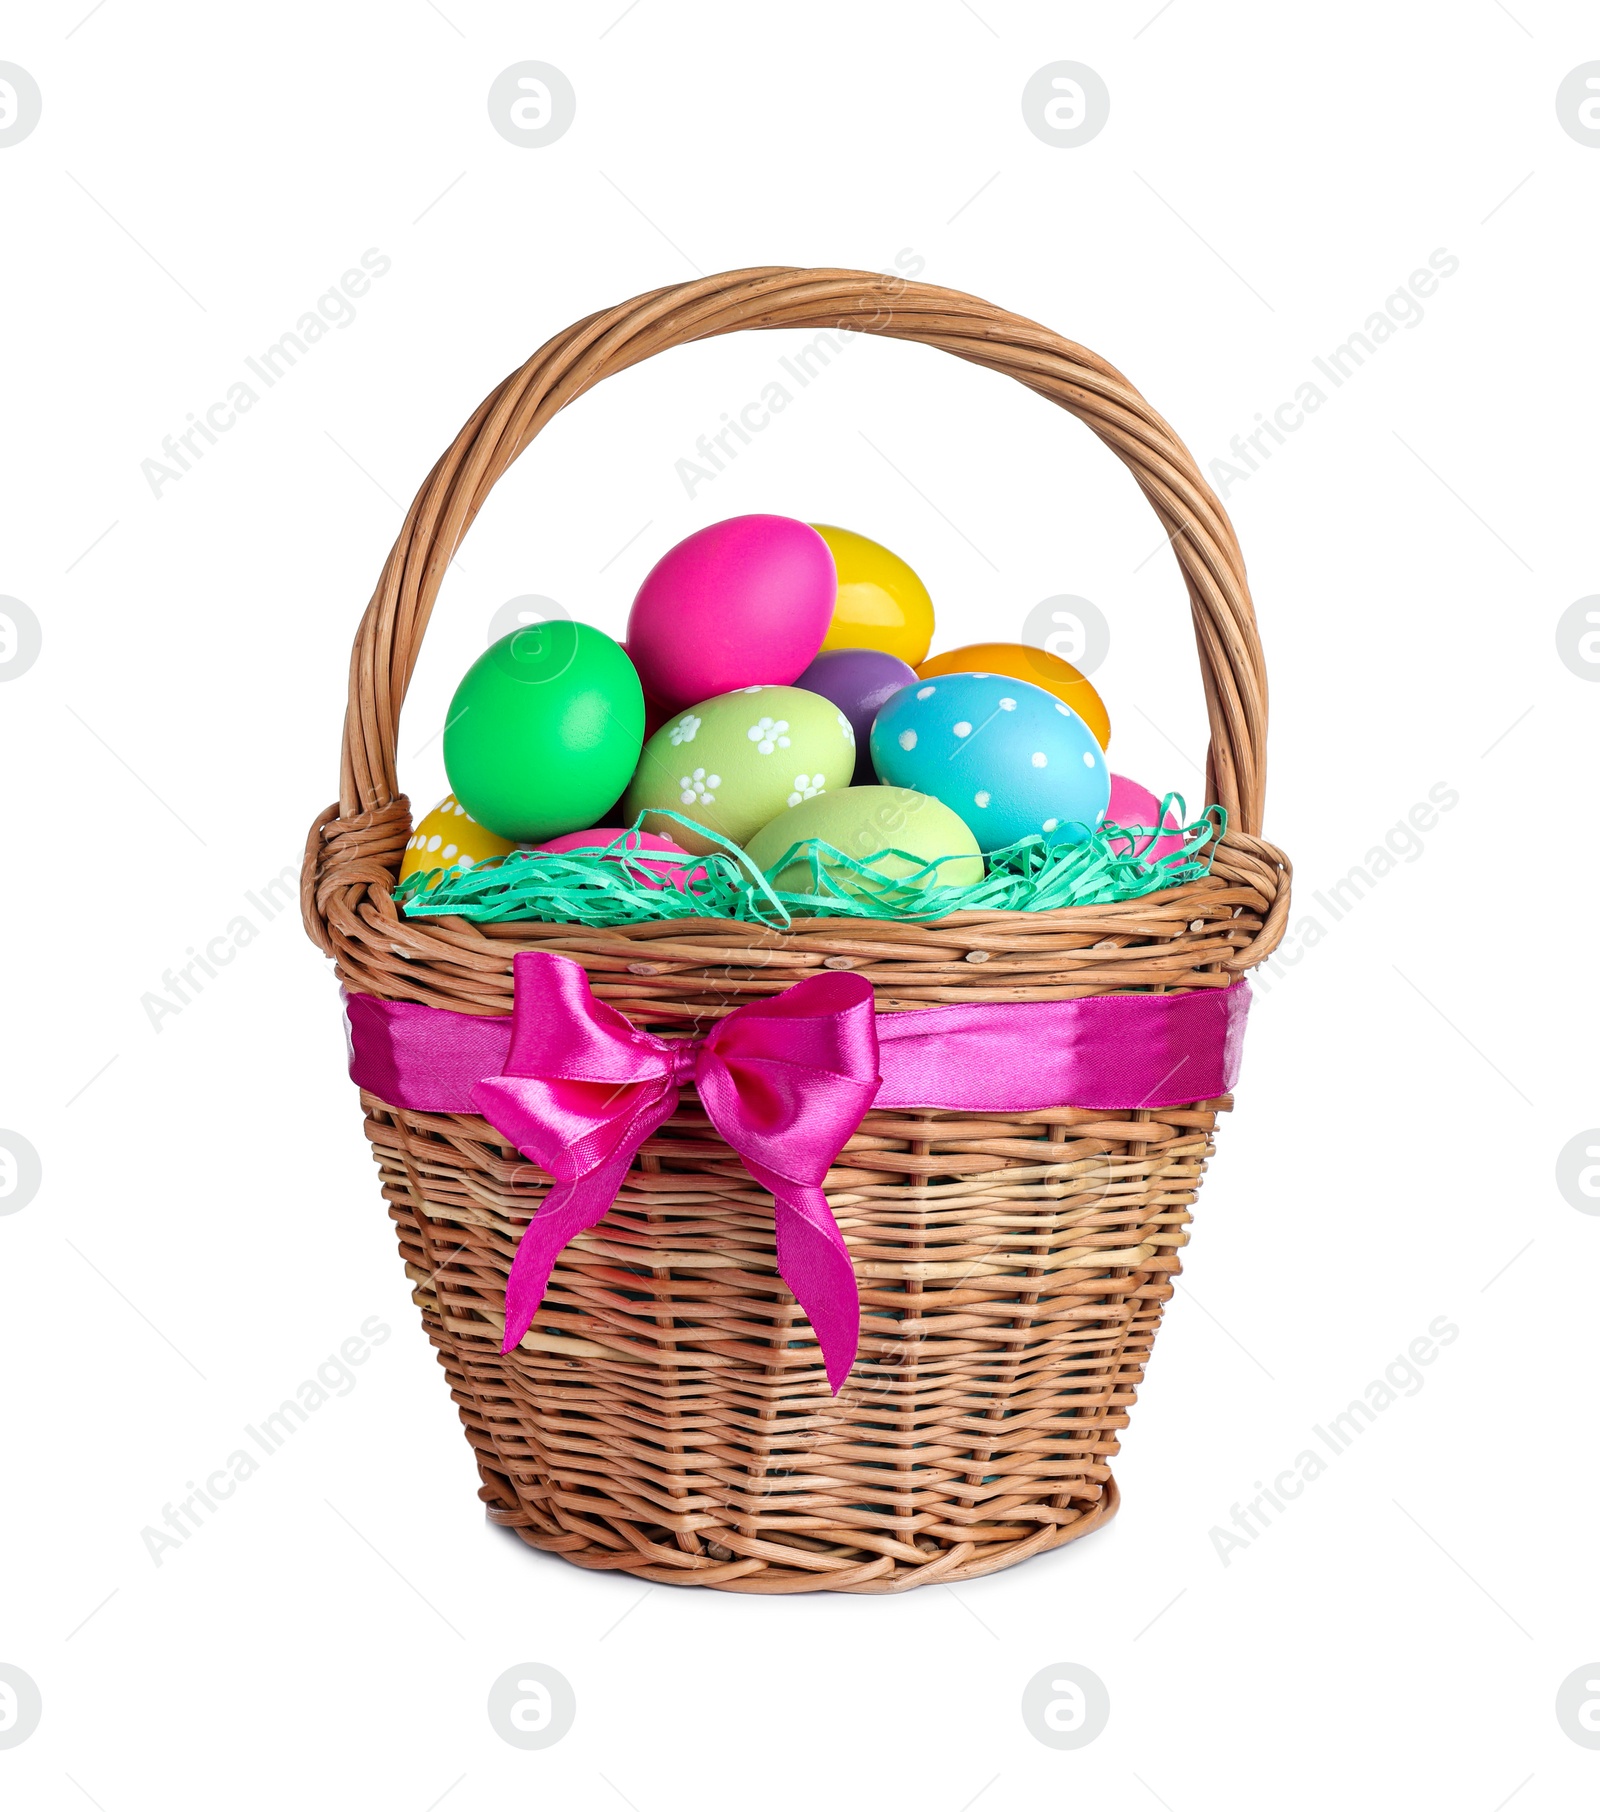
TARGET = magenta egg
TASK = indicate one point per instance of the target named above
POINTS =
(1132, 804)
(744, 602)
(670, 874)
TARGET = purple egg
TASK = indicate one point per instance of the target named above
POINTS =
(859, 681)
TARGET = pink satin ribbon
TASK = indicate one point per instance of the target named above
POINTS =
(785, 1081)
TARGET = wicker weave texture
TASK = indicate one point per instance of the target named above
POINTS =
(667, 1415)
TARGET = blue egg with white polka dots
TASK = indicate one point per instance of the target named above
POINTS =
(1009, 759)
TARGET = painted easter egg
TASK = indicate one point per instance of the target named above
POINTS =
(742, 603)
(1038, 666)
(1009, 758)
(861, 821)
(860, 681)
(881, 603)
(449, 838)
(731, 763)
(544, 730)
(665, 874)
(1131, 805)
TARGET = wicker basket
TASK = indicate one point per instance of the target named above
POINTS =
(667, 1415)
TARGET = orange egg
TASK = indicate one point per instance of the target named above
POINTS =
(448, 838)
(1020, 660)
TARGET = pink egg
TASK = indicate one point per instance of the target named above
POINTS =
(1134, 804)
(744, 602)
(670, 874)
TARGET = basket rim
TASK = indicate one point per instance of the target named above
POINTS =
(1200, 934)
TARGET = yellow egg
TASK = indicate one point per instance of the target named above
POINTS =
(448, 838)
(881, 602)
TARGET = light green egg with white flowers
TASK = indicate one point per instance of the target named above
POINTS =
(862, 822)
(735, 761)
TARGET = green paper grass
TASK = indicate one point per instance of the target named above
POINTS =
(609, 887)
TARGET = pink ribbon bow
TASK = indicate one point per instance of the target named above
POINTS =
(785, 1081)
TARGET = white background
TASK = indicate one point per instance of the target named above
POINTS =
(209, 1227)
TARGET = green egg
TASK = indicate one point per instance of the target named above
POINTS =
(737, 760)
(862, 820)
(544, 731)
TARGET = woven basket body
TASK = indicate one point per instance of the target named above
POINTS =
(667, 1415)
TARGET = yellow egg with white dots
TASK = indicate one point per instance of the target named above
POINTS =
(450, 838)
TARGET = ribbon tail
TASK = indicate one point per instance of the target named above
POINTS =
(517, 1107)
(569, 1209)
(815, 1263)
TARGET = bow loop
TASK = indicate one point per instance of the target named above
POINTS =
(559, 1029)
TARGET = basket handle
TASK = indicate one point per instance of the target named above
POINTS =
(390, 636)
